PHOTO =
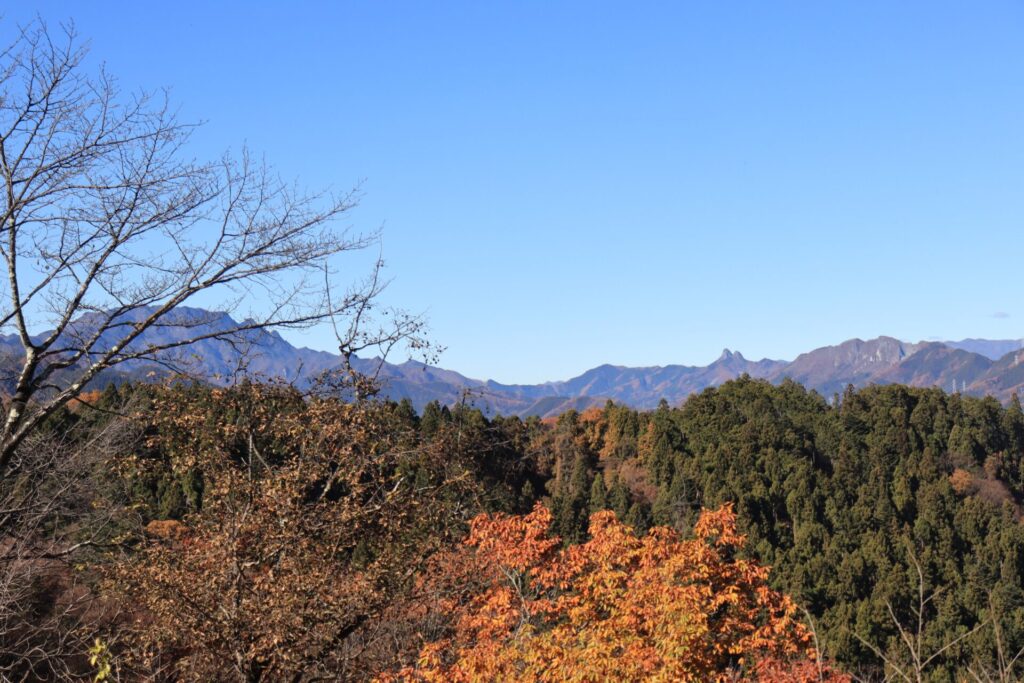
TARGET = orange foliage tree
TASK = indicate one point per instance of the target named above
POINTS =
(317, 517)
(617, 607)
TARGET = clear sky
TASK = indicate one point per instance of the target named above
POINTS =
(568, 184)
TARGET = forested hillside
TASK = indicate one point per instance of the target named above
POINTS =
(844, 503)
(258, 533)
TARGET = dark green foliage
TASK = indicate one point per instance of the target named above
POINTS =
(840, 498)
(618, 499)
(431, 419)
(166, 495)
(598, 494)
(638, 518)
(406, 414)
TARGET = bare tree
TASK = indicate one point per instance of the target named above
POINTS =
(55, 513)
(912, 636)
(107, 229)
(1002, 670)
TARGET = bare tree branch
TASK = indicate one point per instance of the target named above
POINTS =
(107, 230)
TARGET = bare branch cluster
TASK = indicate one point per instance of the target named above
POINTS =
(50, 524)
(107, 229)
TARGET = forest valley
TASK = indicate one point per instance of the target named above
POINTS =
(757, 532)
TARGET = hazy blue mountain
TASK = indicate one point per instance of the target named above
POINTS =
(1004, 378)
(830, 368)
(993, 349)
(258, 353)
(936, 364)
(968, 365)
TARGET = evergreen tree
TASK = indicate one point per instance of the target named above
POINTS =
(598, 494)
(406, 413)
(430, 422)
(638, 518)
(618, 498)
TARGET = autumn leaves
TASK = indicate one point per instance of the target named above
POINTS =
(617, 607)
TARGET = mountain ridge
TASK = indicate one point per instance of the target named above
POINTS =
(969, 365)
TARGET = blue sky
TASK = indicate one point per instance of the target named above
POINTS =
(562, 185)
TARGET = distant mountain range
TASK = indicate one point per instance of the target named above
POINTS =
(973, 366)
